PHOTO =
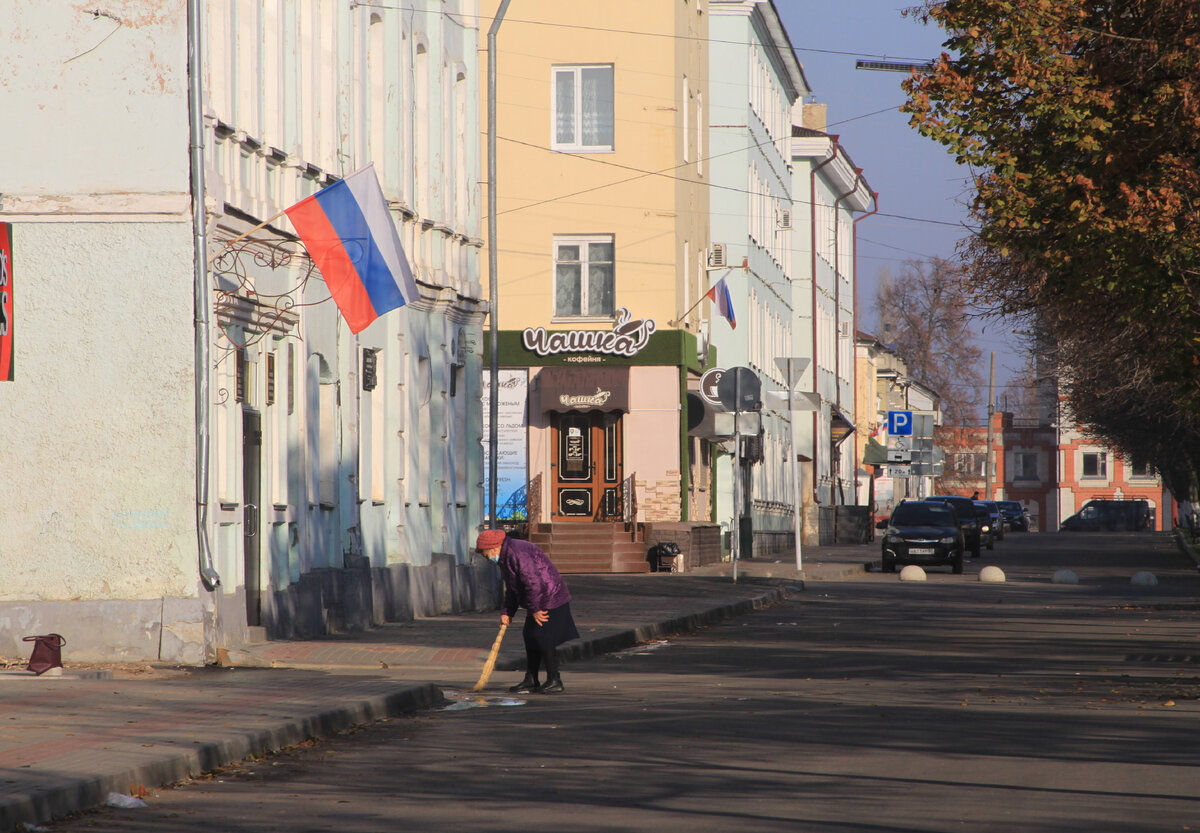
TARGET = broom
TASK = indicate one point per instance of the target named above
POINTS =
(490, 665)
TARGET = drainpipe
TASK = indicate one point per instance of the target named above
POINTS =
(201, 300)
(837, 323)
(854, 324)
(493, 255)
(812, 215)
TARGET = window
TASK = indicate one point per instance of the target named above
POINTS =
(1140, 468)
(584, 282)
(1025, 465)
(1095, 464)
(583, 108)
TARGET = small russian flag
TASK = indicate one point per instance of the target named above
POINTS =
(349, 233)
(719, 292)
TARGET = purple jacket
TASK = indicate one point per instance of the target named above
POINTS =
(531, 580)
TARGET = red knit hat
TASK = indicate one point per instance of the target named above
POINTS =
(489, 538)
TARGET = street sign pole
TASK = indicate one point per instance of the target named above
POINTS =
(792, 368)
(737, 474)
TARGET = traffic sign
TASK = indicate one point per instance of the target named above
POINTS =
(739, 389)
(900, 423)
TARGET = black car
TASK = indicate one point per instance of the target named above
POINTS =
(987, 524)
(996, 518)
(1015, 514)
(922, 532)
(964, 508)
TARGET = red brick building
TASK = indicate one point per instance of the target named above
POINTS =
(1052, 469)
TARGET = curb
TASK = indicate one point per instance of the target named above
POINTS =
(83, 793)
(621, 640)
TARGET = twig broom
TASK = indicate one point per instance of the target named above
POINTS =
(490, 665)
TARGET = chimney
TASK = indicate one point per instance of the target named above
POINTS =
(815, 116)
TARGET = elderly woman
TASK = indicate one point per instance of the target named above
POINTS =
(533, 582)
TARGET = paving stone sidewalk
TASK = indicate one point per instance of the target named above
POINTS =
(67, 742)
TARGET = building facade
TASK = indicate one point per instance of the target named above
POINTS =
(830, 197)
(601, 262)
(211, 456)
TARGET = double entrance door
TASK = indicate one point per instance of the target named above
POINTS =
(588, 471)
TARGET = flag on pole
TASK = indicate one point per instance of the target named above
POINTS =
(350, 235)
(719, 292)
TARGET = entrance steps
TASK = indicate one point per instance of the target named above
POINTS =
(592, 547)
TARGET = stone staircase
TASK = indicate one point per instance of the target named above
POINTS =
(592, 547)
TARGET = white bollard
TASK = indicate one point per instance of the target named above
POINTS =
(1144, 578)
(912, 572)
(1065, 577)
(992, 574)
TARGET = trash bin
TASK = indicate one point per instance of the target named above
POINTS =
(665, 557)
(47, 652)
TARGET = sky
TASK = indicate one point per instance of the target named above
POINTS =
(915, 177)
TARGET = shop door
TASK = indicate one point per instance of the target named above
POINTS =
(251, 485)
(588, 467)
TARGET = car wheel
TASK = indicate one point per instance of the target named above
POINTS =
(956, 564)
(975, 551)
(991, 543)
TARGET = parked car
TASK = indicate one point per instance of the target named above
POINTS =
(964, 509)
(1016, 515)
(995, 518)
(922, 532)
(1110, 516)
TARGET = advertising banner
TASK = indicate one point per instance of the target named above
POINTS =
(512, 466)
(6, 303)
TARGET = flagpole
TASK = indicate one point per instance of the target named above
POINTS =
(246, 234)
(702, 297)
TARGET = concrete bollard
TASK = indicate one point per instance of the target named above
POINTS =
(912, 572)
(1065, 577)
(992, 574)
(1144, 578)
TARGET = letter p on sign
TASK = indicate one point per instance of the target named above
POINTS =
(900, 423)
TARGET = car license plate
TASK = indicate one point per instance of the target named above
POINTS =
(920, 550)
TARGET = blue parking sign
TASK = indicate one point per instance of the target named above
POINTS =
(900, 423)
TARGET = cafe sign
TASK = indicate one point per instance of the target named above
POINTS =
(627, 337)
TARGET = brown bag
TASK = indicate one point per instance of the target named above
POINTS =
(47, 652)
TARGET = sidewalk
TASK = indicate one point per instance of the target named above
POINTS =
(67, 742)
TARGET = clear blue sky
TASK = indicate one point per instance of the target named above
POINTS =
(915, 177)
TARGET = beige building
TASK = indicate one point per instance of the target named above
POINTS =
(602, 237)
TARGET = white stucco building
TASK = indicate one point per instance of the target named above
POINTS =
(204, 455)
(830, 197)
(756, 81)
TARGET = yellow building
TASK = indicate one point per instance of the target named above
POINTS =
(601, 249)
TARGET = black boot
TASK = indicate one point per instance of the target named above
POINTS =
(553, 685)
(529, 685)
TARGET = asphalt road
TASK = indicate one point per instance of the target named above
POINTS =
(868, 705)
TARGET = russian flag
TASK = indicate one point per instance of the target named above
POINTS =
(348, 231)
(719, 292)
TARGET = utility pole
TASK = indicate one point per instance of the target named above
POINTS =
(991, 408)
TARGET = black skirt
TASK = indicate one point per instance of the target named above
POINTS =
(559, 628)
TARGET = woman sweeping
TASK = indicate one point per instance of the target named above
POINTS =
(533, 582)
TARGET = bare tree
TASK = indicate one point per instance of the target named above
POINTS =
(924, 313)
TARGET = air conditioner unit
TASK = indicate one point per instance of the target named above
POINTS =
(717, 256)
(783, 219)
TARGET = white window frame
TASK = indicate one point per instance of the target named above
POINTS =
(1102, 465)
(582, 241)
(577, 146)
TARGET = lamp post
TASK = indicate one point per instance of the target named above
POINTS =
(493, 326)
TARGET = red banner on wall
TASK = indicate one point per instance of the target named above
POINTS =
(6, 303)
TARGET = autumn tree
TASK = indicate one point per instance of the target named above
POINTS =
(1081, 124)
(924, 313)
